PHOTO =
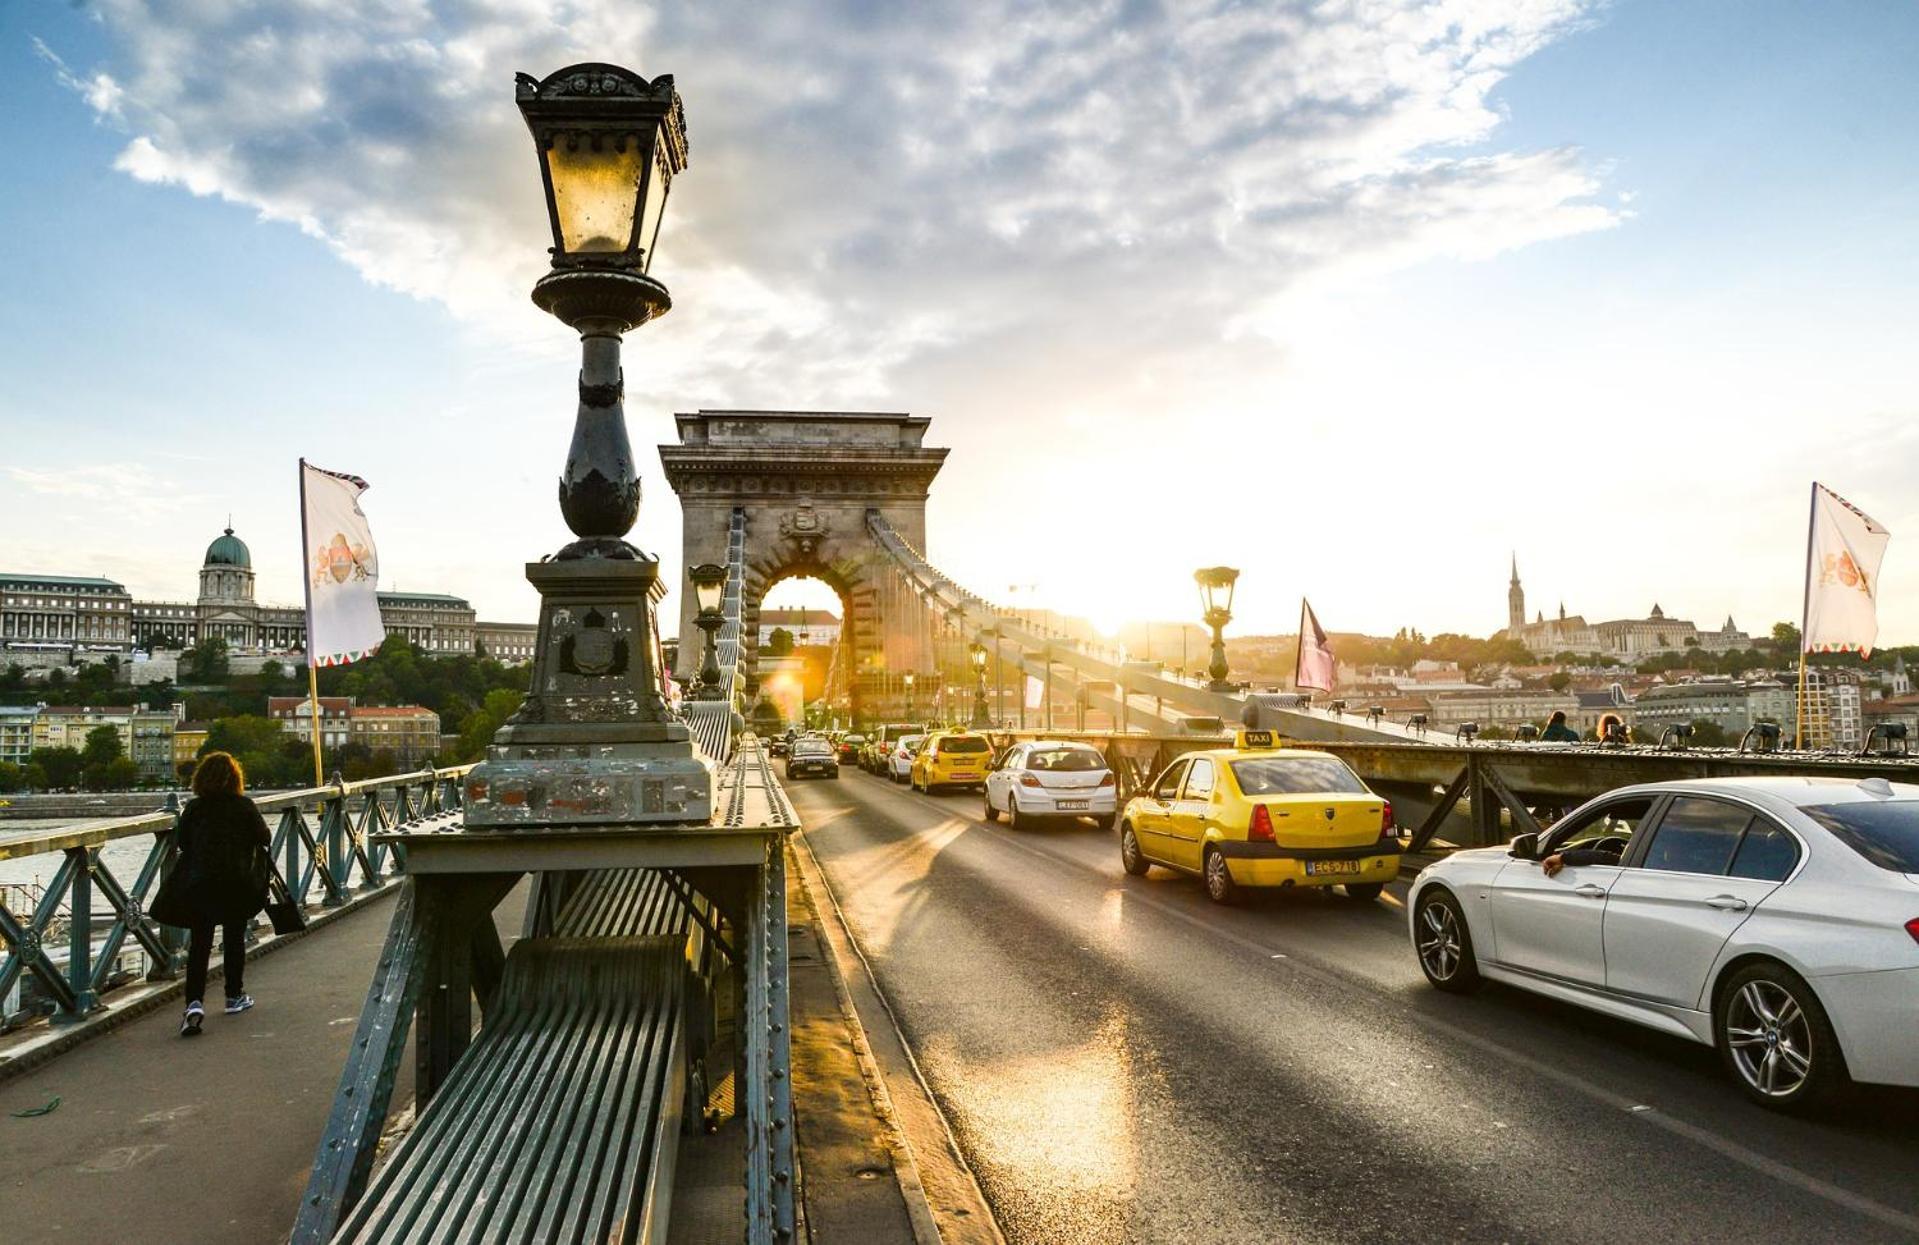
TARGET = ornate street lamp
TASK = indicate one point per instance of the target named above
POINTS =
(1216, 598)
(594, 743)
(909, 696)
(976, 653)
(709, 586)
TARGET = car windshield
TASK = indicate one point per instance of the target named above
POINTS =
(964, 743)
(1886, 832)
(1077, 759)
(1296, 776)
(854, 739)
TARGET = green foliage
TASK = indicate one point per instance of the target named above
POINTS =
(206, 662)
(1559, 681)
(117, 774)
(478, 728)
(1785, 639)
(60, 766)
(103, 745)
(780, 643)
(450, 686)
(12, 777)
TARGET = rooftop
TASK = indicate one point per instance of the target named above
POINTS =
(63, 581)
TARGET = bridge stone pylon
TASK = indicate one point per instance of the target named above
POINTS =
(807, 482)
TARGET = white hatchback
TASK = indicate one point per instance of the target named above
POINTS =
(1047, 778)
(899, 760)
(1774, 918)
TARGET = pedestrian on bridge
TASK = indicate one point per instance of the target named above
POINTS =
(222, 877)
(1557, 731)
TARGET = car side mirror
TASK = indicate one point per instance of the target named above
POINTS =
(1525, 846)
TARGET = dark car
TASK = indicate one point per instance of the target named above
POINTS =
(812, 758)
(850, 748)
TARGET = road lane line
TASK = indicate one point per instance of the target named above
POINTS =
(1726, 1148)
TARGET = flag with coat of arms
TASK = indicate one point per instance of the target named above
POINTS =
(342, 569)
(1843, 551)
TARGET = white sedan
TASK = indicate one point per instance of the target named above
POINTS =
(1047, 778)
(899, 759)
(1774, 918)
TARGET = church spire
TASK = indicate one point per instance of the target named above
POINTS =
(1515, 600)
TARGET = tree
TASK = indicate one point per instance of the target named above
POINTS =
(1785, 639)
(207, 662)
(780, 643)
(477, 731)
(118, 774)
(60, 765)
(102, 747)
(12, 777)
(1559, 681)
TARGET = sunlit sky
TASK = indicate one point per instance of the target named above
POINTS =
(1358, 298)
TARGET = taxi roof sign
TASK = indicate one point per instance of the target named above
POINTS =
(1255, 741)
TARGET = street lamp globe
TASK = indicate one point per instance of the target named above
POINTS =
(1216, 592)
(609, 143)
(709, 586)
(976, 653)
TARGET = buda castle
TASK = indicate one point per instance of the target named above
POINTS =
(65, 619)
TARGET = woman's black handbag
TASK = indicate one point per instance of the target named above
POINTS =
(173, 904)
(281, 908)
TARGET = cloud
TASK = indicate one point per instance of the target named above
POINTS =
(880, 196)
(129, 489)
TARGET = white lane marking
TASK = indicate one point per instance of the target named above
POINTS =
(1751, 1159)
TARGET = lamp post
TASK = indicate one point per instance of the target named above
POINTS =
(976, 653)
(1216, 598)
(594, 743)
(709, 586)
(908, 678)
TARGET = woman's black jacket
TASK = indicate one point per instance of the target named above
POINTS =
(223, 858)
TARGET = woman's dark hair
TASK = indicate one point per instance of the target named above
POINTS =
(218, 774)
(1557, 719)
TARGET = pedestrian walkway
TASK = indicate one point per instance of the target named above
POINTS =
(209, 1139)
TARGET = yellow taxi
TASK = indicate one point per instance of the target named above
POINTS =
(951, 759)
(1262, 814)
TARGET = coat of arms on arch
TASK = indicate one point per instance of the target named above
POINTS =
(805, 527)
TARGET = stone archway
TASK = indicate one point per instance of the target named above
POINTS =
(806, 482)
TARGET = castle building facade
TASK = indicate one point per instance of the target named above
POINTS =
(1627, 639)
(64, 619)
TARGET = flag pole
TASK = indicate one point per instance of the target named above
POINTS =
(1805, 618)
(313, 671)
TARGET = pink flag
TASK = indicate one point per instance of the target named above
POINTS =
(1315, 668)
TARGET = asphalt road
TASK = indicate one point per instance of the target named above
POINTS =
(1122, 1060)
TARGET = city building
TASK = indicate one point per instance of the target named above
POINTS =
(146, 734)
(411, 732)
(51, 617)
(1627, 639)
(295, 716)
(820, 627)
(1833, 709)
(1722, 702)
(188, 739)
(1505, 708)
(16, 733)
(63, 620)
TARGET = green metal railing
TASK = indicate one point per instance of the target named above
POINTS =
(321, 846)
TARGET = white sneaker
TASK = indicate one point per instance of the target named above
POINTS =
(240, 1004)
(190, 1023)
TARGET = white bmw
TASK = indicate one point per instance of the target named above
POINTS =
(1774, 918)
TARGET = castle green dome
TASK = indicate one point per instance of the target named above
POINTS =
(229, 550)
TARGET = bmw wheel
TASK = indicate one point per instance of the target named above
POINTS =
(1775, 1038)
(1444, 944)
(1131, 858)
(1220, 887)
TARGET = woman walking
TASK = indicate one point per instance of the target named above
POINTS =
(223, 866)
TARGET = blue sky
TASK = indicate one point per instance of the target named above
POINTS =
(1391, 296)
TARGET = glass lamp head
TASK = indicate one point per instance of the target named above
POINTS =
(709, 586)
(1216, 589)
(610, 143)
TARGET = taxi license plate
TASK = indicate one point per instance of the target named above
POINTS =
(964, 773)
(1322, 868)
(1071, 804)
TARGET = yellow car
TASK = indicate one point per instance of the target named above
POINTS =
(1259, 814)
(952, 759)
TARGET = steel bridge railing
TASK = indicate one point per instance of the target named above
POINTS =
(321, 847)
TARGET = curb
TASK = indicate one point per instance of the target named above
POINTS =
(919, 1207)
(40, 1049)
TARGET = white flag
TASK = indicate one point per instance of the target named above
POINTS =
(1035, 692)
(342, 569)
(1314, 669)
(1845, 548)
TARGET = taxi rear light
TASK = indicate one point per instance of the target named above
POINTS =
(1386, 826)
(1260, 828)
(1912, 927)
(1106, 779)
